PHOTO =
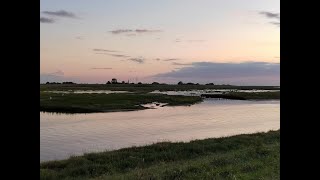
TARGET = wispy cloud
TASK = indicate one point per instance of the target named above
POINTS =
(104, 50)
(118, 55)
(275, 23)
(133, 32)
(139, 60)
(115, 55)
(120, 31)
(270, 14)
(46, 20)
(170, 59)
(181, 64)
(60, 13)
(57, 73)
(101, 68)
(249, 73)
(146, 31)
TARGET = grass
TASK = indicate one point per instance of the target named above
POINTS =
(247, 156)
(88, 103)
(143, 87)
(246, 95)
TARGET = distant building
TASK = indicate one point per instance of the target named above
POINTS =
(114, 81)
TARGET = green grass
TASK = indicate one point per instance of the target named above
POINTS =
(248, 156)
(143, 87)
(247, 95)
(257, 95)
(88, 103)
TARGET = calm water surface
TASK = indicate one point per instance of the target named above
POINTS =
(63, 135)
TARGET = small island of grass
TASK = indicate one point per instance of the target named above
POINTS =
(89, 103)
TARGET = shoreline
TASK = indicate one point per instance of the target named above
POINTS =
(171, 153)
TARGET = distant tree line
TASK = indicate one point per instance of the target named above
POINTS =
(189, 83)
(114, 81)
(60, 83)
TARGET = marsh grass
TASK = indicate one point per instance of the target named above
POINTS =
(144, 87)
(247, 156)
(246, 95)
(88, 103)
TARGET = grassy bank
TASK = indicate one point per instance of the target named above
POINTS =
(88, 103)
(254, 156)
(246, 95)
(143, 87)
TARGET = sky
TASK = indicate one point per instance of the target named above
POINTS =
(201, 41)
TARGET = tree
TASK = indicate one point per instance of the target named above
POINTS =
(68, 83)
(114, 81)
(155, 83)
(108, 82)
(180, 83)
(139, 83)
(123, 82)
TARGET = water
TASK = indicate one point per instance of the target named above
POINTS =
(62, 135)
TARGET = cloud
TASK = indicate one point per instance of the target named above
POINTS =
(181, 64)
(115, 55)
(118, 55)
(133, 32)
(170, 59)
(138, 60)
(119, 31)
(275, 23)
(57, 73)
(146, 31)
(270, 15)
(60, 13)
(101, 68)
(46, 20)
(246, 73)
(104, 50)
